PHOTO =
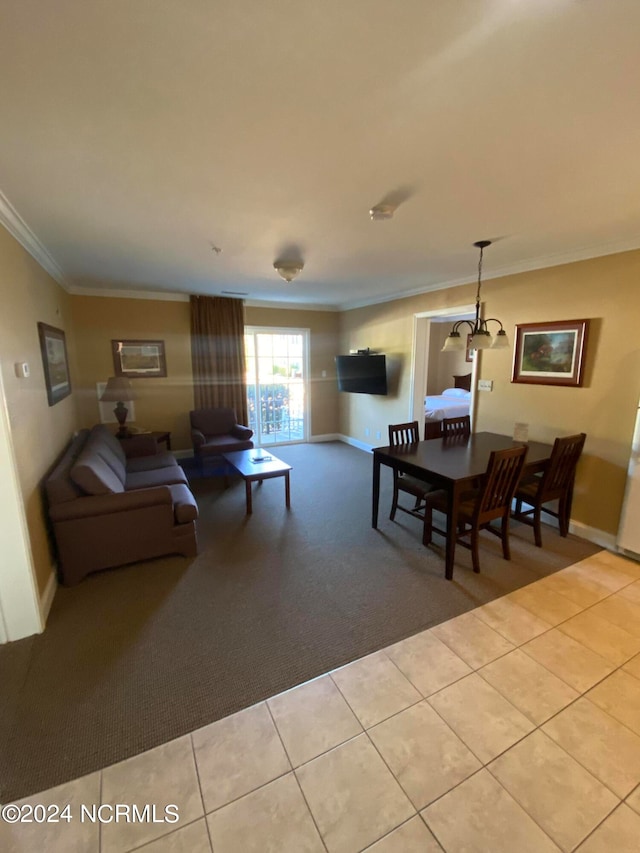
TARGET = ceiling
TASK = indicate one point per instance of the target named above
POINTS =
(137, 134)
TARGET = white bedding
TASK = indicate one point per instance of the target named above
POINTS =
(448, 404)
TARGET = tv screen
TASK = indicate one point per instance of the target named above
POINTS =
(362, 374)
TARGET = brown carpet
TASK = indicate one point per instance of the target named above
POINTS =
(136, 656)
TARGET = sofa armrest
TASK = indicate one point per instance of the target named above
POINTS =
(197, 438)
(240, 431)
(185, 508)
(93, 505)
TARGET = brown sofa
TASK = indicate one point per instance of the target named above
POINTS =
(108, 510)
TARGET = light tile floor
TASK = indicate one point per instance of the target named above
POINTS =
(515, 727)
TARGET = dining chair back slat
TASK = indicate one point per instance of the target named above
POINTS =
(456, 427)
(503, 473)
(403, 433)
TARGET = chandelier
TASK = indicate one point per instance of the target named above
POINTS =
(480, 336)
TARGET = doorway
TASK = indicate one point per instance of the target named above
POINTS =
(424, 324)
(277, 384)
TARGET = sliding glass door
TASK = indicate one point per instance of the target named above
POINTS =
(277, 391)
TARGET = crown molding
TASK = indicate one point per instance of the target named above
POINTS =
(556, 260)
(289, 306)
(168, 296)
(156, 295)
(18, 228)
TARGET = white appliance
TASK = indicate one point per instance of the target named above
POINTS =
(629, 530)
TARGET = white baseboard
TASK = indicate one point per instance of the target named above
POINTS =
(46, 600)
(354, 442)
(592, 534)
(624, 552)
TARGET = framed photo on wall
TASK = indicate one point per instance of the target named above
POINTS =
(550, 353)
(53, 348)
(139, 359)
(469, 353)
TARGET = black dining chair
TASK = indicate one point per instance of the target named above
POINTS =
(554, 484)
(400, 434)
(459, 427)
(491, 501)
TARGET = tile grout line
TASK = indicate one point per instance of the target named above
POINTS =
(204, 810)
(522, 806)
(604, 819)
(295, 775)
(399, 826)
(526, 811)
(166, 835)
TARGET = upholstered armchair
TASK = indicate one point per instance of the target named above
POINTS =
(216, 431)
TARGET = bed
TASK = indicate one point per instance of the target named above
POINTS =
(452, 403)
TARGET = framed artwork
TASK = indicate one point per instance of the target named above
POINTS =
(53, 348)
(469, 353)
(550, 353)
(139, 359)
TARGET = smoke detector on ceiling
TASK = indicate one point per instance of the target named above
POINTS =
(382, 211)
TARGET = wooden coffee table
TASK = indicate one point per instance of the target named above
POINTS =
(251, 472)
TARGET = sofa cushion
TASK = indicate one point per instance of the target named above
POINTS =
(110, 441)
(94, 476)
(158, 477)
(215, 445)
(96, 444)
(150, 463)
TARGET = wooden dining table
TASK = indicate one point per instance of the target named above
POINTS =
(452, 465)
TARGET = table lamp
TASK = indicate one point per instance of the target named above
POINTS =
(119, 390)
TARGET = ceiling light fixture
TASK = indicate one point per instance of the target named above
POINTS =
(480, 336)
(288, 270)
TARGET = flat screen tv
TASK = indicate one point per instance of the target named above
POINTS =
(362, 374)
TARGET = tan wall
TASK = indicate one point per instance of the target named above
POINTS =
(323, 346)
(163, 403)
(444, 366)
(39, 432)
(389, 328)
(604, 290)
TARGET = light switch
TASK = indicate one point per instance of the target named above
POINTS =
(22, 369)
(485, 385)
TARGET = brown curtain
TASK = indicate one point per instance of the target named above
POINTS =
(217, 354)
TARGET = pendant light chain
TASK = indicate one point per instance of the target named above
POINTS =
(479, 275)
(480, 336)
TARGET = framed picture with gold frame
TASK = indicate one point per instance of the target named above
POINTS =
(550, 353)
(139, 359)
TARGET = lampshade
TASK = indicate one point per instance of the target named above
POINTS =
(454, 341)
(118, 389)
